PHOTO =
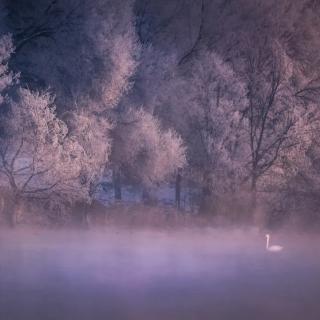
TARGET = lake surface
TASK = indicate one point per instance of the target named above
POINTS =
(150, 275)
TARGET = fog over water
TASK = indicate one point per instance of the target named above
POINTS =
(121, 274)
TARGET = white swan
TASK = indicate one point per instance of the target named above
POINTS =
(272, 248)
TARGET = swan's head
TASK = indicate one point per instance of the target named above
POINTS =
(267, 235)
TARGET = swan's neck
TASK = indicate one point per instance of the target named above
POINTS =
(267, 245)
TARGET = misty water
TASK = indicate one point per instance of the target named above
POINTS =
(187, 274)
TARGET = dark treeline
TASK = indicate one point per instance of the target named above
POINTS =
(218, 97)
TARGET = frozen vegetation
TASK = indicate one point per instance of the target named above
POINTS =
(117, 100)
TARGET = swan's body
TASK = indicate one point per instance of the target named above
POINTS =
(272, 248)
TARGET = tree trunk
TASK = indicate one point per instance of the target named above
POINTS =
(206, 205)
(253, 193)
(253, 203)
(86, 216)
(257, 209)
(116, 176)
(148, 196)
(178, 190)
(14, 208)
(2, 205)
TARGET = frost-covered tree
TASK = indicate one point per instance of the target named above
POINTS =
(42, 159)
(6, 77)
(206, 102)
(294, 181)
(272, 109)
(85, 51)
(92, 134)
(145, 152)
(41, 156)
(31, 147)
